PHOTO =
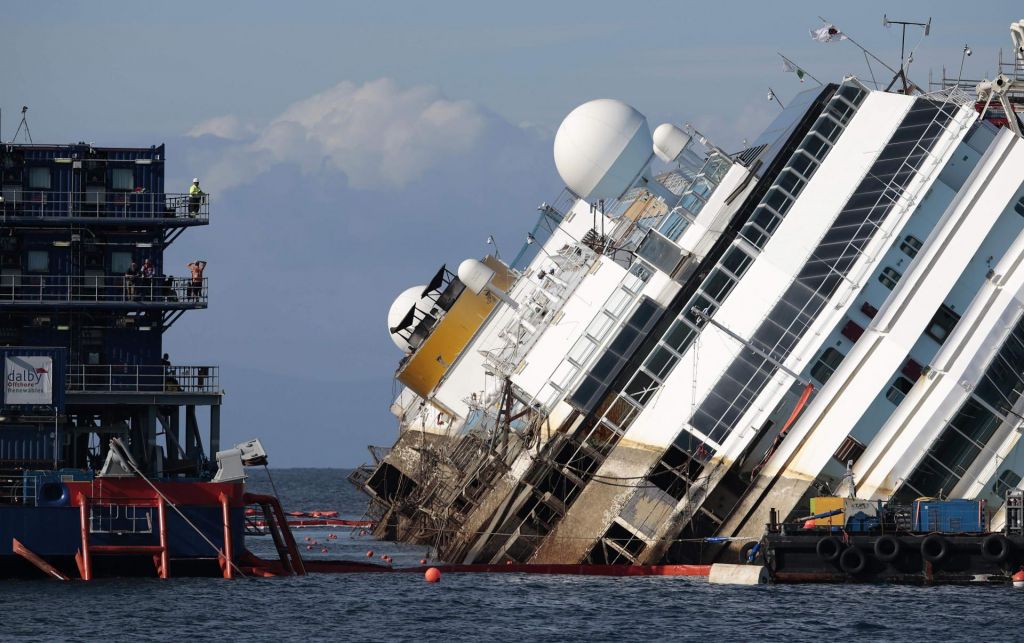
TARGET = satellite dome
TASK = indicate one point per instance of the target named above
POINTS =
(601, 148)
(476, 275)
(669, 142)
(399, 309)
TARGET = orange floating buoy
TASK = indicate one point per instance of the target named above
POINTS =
(809, 524)
(369, 554)
(423, 561)
(432, 575)
(1018, 578)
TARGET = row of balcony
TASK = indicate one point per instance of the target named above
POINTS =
(142, 378)
(97, 291)
(112, 207)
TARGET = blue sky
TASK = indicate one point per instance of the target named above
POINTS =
(351, 148)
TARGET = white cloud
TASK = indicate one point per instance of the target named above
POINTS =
(377, 133)
(229, 127)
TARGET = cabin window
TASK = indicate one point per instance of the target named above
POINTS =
(899, 389)
(95, 194)
(849, 451)
(889, 278)
(122, 179)
(1007, 480)
(120, 262)
(910, 245)
(942, 324)
(826, 365)
(38, 261)
(39, 178)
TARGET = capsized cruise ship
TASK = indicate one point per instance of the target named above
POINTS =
(671, 357)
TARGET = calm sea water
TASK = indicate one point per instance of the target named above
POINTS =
(371, 607)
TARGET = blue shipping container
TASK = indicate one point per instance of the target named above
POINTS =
(951, 516)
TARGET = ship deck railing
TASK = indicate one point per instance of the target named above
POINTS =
(143, 378)
(56, 207)
(131, 292)
(16, 488)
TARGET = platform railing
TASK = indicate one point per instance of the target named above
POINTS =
(47, 204)
(18, 489)
(40, 289)
(142, 378)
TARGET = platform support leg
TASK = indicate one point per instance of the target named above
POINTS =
(228, 560)
(82, 558)
(165, 557)
(214, 432)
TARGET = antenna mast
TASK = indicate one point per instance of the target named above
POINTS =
(24, 122)
(901, 75)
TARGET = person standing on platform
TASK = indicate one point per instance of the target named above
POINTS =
(130, 276)
(148, 272)
(195, 198)
(195, 285)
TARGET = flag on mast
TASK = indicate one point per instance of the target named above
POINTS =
(828, 33)
(787, 65)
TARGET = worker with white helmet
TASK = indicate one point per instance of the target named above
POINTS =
(195, 198)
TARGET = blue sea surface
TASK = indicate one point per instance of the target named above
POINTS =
(505, 607)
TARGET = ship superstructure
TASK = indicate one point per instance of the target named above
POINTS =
(672, 357)
(78, 221)
(110, 456)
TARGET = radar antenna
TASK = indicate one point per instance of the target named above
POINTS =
(24, 122)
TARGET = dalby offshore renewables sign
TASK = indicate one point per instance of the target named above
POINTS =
(28, 379)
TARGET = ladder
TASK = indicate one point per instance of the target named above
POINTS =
(160, 553)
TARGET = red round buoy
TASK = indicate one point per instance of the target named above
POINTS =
(423, 561)
(369, 554)
(809, 524)
(432, 575)
(1018, 578)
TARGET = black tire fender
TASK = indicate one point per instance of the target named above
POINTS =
(934, 548)
(887, 548)
(996, 548)
(853, 560)
(829, 549)
(745, 552)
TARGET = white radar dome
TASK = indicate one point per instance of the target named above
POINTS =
(399, 309)
(602, 148)
(669, 142)
(475, 275)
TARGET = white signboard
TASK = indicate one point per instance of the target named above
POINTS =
(28, 380)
